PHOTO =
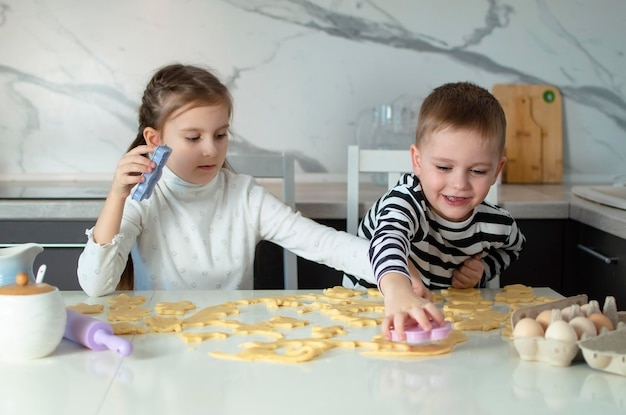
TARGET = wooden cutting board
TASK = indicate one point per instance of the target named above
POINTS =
(534, 133)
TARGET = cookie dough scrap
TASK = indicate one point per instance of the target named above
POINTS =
(164, 324)
(465, 308)
(282, 322)
(536, 301)
(127, 313)
(178, 308)
(293, 350)
(125, 327)
(291, 344)
(452, 317)
(374, 292)
(231, 324)
(342, 309)
(208, 315)
(468, 300)
(490, 315)
(357, 321)
(249, 301)
(193, 337)
(274, 303)
(378, 344)
(290, 355)
(507, 330)
(434, 348)
(342, 292)
(309, 297)
(518, 288)
(125, 300)
(460, 292)
(476, 325)
(327, 332)
(305, 310)
(437, 297)
(367, 306)
(85, 308)
(514, 297)
(263, 328)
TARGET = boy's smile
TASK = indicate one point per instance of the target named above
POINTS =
(456, 169)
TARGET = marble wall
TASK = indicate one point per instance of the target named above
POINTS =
(305, 75)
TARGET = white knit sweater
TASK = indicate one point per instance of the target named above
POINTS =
(188, 236)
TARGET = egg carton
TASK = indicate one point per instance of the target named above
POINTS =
(557, 352)
(607, 351)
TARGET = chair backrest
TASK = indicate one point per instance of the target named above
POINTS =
(393, 163)
(271, 166)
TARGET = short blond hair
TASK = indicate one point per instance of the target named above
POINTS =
(462, 105)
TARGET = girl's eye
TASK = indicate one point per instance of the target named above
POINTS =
(221, 135)
(195, 138)
(443, 168)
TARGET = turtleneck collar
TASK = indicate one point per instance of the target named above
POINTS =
(183, 189)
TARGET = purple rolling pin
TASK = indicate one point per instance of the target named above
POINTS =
(94, 334)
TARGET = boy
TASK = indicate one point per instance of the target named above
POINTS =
(437, 217)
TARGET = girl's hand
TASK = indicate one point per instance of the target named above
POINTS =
(404, 308)
(129, 170)
(468, 274)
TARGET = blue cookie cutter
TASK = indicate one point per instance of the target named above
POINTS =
(416, 335)
(144, 189)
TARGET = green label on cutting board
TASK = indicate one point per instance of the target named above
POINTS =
(549, 96)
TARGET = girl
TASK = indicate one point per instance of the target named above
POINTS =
(200, 227)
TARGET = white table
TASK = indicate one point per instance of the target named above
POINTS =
(164, 375)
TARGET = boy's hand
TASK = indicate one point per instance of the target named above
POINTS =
(468, 274)
(404, 308)
(418, 285)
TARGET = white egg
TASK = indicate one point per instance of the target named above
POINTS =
(562, 331)
(583, 325)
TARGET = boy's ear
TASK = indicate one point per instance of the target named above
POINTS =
(151, 136)
(501, 164)
(416, 160)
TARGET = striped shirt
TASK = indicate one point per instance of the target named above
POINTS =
(402, 225)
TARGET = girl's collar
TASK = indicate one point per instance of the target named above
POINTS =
(180, 186)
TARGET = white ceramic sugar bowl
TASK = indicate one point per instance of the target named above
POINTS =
(32, 319)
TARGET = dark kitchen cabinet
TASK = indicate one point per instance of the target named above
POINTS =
(596, 265)
(268, 266)
(541, 261)
(63, 242)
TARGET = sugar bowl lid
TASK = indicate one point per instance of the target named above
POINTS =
(23, 286)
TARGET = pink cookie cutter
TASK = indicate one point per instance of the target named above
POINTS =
(415, 334)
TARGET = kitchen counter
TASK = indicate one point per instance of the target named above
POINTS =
(315, 199)
(164, 375)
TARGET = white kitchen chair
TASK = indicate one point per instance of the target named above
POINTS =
(393, 163)
(270, 166)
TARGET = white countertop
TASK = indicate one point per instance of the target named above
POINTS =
(164, 375)
(327, 200)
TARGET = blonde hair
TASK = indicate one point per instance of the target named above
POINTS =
(462, 105)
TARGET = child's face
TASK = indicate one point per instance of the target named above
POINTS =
(456, 169)
(198, 137)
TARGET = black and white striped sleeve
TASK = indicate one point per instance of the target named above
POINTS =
(395, 226)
